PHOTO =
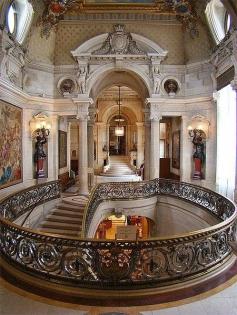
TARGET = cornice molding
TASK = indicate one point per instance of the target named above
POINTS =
(119, 16)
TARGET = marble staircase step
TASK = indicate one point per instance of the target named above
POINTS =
(70, 207)
(59, 231)
(66, 219)
(62, 219)
(61, 225)
(66, 213)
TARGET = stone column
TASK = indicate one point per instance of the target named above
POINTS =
(90, 139)
(186, 151)
(53, 149)
(147, 145)
(211, 147)
(234, 86)
(155, 117)
(140, 147)
(82, 116)
(107, 136)
(69, 146)
(101, 141)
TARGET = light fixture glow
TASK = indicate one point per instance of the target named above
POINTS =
(119, 130)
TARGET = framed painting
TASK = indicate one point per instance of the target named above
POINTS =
(62, 148)
(10, 145)
(176, 149)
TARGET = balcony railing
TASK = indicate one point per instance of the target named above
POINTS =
(115, 264)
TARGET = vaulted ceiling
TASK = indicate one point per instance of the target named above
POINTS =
(183, 10)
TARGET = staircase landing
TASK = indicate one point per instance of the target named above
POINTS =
(119, 171)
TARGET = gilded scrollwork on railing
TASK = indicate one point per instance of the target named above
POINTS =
(15, 205)
(119, 264)
(200, 196)
(104, 264)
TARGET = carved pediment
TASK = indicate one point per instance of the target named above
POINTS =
(119, 42)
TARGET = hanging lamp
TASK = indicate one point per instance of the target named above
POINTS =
(119, 130)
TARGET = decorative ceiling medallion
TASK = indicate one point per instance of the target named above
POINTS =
(54, 11)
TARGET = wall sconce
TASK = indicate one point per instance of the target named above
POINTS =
(40, 129)
(199, 123)
(40, 122)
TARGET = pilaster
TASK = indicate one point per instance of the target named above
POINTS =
(53, 149)
(83, 104)
(185, 151)
(140, 144)
(234, 86)
(155, 117)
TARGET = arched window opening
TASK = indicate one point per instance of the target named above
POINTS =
(218, 19)
(18, 19)
(11, 19)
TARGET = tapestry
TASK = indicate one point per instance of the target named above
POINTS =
(176, 149)
(10, 145)
(62, 148)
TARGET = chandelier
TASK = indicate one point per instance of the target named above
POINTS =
(119, 130)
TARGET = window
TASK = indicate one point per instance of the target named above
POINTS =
(11, 19)
(18, 19)
(218, 19)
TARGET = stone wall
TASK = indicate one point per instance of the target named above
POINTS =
(71, 34)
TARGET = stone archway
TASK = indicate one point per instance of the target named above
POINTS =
(107, 110)
(126, 59)
(119, 51)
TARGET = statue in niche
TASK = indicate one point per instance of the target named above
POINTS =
(156, 78)
(198, 140)
(82, 74)
(40, 156)
(156, 86)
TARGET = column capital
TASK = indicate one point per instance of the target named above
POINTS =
(154, 104)
(139, 124)
(92, 115)
(82, 104)
(155, 114)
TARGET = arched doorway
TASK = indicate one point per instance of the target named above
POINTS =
(129, 146)
(118, 144)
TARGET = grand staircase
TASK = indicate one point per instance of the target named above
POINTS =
(119, 166)
(66, 218)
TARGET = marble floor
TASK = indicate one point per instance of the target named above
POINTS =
(221, 303)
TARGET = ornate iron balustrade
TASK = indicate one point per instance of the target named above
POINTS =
(122, 264)
(202, 197)
(23, 201)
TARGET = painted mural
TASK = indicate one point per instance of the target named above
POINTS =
(10, 145)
